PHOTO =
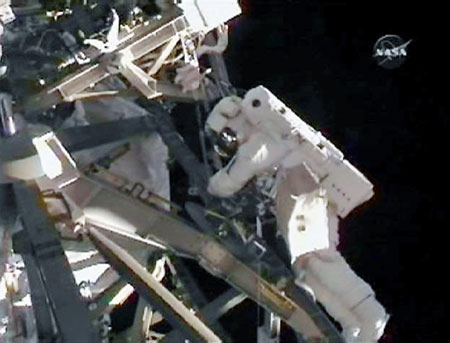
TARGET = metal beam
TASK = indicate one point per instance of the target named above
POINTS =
(42, 311)
(41, 307)
(212, 312)
(90, 136)
(106, 207)
(182, 154)
(156, 294)
(71, 314)
(103, 300)
(191, 286)
(322, 321)
(222, 304)
(143, 39)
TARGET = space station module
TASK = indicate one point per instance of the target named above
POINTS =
(315, 186)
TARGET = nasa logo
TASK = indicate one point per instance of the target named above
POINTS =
(390, 51)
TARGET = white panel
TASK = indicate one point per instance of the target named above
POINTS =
(207, 14)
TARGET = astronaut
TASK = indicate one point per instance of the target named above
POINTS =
(315, 186)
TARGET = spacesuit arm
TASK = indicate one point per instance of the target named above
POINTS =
(258, 154)
(223, 114)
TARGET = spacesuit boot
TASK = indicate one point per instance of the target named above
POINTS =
(372, 318)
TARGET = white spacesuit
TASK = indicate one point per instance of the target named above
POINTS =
(315, 186)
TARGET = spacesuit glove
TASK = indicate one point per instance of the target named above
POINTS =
(222, 185)
(226, 109)
(189, 77)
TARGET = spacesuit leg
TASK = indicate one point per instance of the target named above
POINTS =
(346, 296)
(373, 318)
(332, 303)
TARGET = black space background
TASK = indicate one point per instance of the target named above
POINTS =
(317, 57)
